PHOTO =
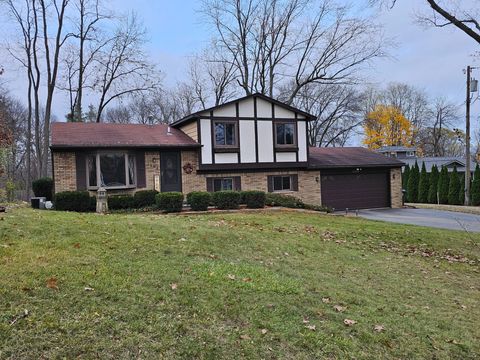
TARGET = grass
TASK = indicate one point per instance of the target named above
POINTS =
(234, 286)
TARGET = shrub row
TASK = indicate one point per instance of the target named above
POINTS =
(80, 201)
(43, 187)
(439, 186)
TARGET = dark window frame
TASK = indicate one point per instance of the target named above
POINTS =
(295, 135)
(282, 178)
(235, 144)
(221, 180)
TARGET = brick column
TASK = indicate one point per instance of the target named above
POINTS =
(396, 188)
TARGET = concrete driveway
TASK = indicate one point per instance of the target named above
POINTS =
(426, 217)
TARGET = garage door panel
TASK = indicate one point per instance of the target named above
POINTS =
(355, 191)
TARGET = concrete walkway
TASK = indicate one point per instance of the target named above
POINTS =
(426, 217)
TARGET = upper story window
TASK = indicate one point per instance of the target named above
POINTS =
(225, 134)
(410, 153)
(111, 170)
(285, 134)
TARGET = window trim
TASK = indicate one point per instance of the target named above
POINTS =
(97, 155)
(295, 135)
(220, 147)
(222, 179)
(282, 190)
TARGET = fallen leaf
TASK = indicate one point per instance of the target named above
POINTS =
(88, 288)
(463, 307)
(306, 321)
(247, 279)
(231, 277)
(339, 308)
(173, 286)
(76, 245)
(326, 300)
(311, 327)
(264, 331)
(349, 322)
(379, 328)
(244, 337)
(52, 283)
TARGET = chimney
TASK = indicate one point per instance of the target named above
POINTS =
(169, 130)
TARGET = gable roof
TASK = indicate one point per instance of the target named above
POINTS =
(439, 162)
(345, 157)
(395, 148)
(100, 135)
(195, 115)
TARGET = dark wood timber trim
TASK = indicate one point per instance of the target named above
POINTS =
(274, 134)
(223, 150)
(256, 128)
(237, 119)
(249, 118)
(199, 132)
(253, 167)
(296, 134)
(212, 135)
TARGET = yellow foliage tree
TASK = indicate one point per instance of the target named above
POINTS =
(386, 126)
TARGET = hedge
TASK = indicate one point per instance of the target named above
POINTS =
(169, 201)
(226, 199)
(117, 202)
(287, 201)
(79, 201)
(144, 198)
(443, 186)
(475, 191)
(412, 186)
(199, 200)
(454, 188)
(433, 185)
(43, 187)
(423, 185)
(254, 199)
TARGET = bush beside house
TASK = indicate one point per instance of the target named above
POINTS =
(199, 200)
(443, 186)
(475, 193)
(453, 188)
(225, 200)
(423, 185)
(144, 198)
(169, 201)
(79, 201)
(433, 185)
(43, 187)
(412, 186)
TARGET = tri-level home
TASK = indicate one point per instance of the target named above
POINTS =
(251, 143)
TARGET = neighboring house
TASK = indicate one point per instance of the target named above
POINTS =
(252, 143)
(399, 152)
(409, 157)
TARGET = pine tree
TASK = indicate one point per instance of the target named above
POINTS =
(423, 185)
(475, 189)
(412, 186)
(433, 185)
(405, 176)
(461, 192)
(443, 182)
(454, 188)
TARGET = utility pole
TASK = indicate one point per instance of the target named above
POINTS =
(472, 86)
(467, 141)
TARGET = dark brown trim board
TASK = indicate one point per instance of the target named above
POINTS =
(287, 166)
(256, 128)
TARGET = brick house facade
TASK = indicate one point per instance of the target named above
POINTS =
(252, 143)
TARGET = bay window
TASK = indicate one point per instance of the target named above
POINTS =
(111, 170)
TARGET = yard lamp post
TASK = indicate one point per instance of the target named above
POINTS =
(472, 87)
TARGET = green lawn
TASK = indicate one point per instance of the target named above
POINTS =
(256, 285)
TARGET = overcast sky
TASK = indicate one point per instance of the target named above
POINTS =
(431, 59)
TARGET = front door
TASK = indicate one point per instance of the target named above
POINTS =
(171, 176)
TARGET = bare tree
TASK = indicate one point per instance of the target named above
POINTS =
(451, 13)
(338, 113)
(121, 66)
(269, 43)
(119, 114)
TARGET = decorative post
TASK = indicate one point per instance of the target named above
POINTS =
(102, 204)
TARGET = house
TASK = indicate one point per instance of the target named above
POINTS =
(399, 152)
(408, 155)
(251, 143)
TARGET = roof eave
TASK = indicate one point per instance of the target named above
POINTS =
(128, 146)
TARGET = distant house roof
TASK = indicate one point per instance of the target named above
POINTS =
(195, 115)
(344, 157)
(395, 149)
(100, 135)
(449, 161)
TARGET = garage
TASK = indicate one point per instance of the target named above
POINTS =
(355, 189)
(357, 178)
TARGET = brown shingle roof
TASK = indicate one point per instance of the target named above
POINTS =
(344, 157)
(75, 135)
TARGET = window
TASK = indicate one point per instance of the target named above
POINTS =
(233, 183)
(282, 183)
(222, 184)
(225, 134)
(285, 134)
(410, 153)
(111, 170)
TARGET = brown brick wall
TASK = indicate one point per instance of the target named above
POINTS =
(64, 171)
(308, 187)
(396, 188)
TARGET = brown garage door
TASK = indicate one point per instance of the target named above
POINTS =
(341, 190)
